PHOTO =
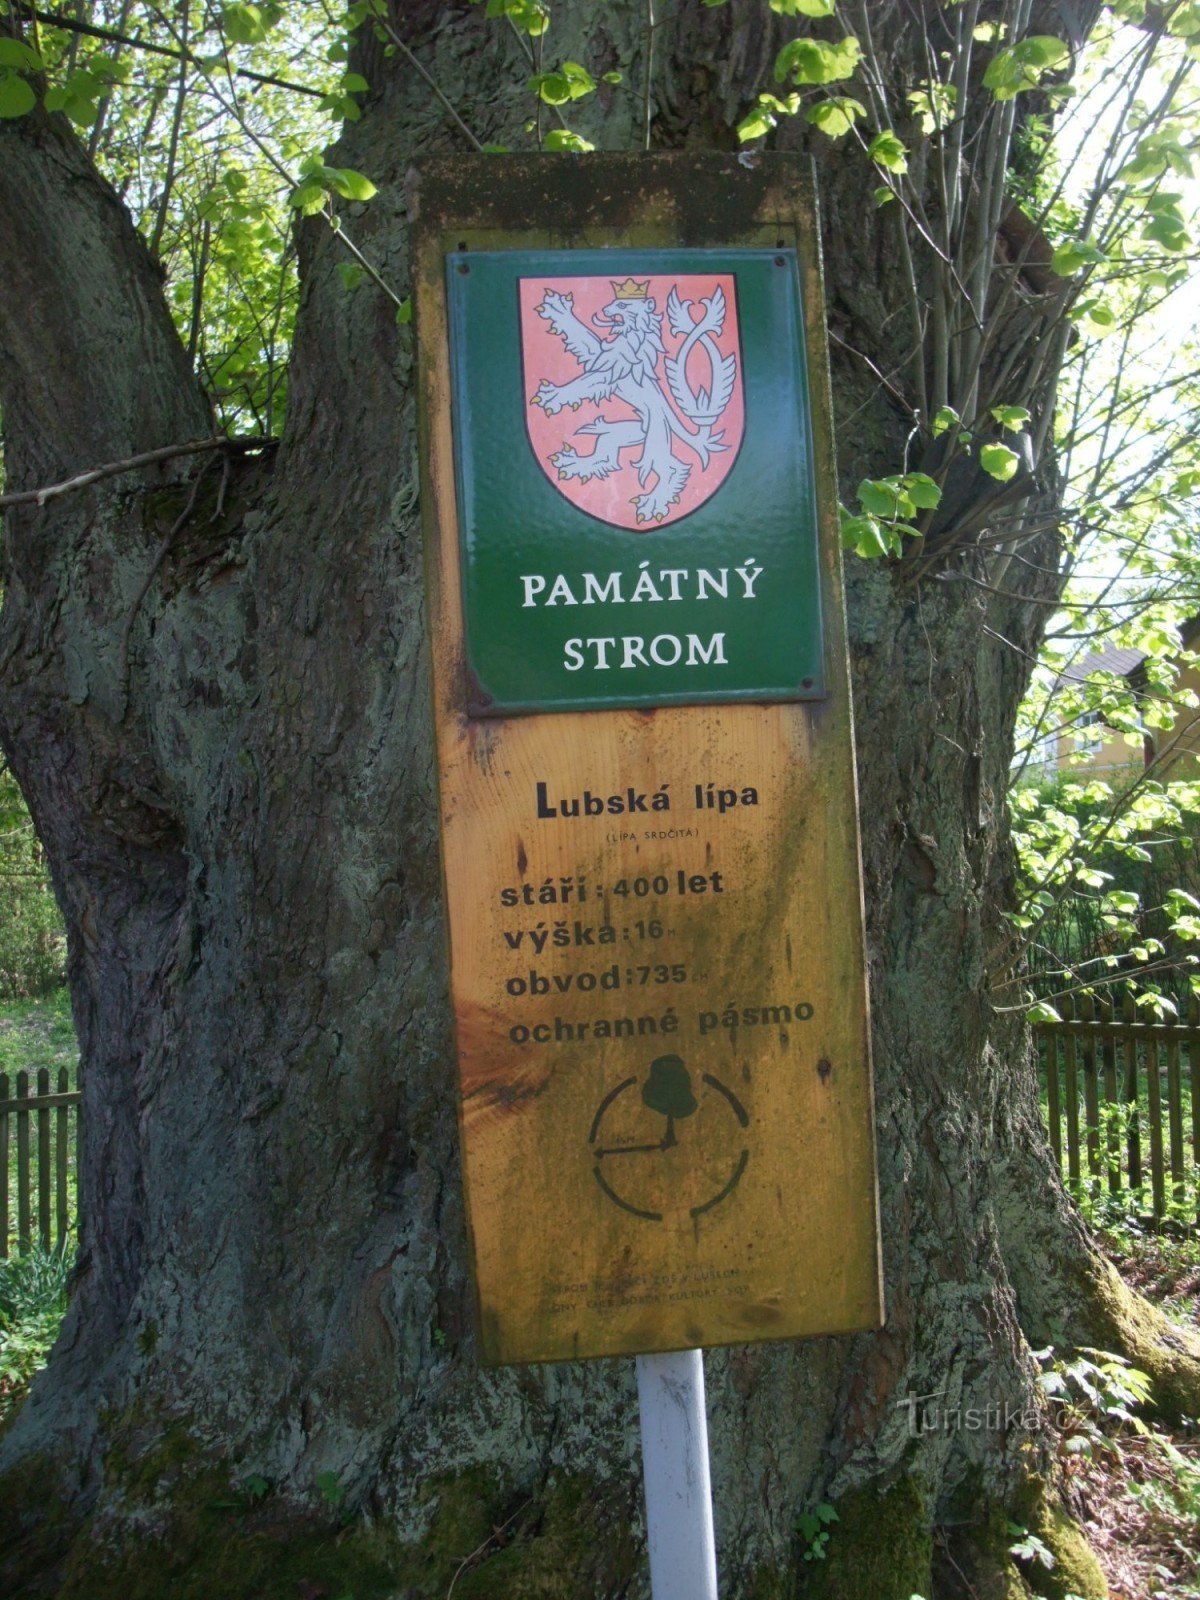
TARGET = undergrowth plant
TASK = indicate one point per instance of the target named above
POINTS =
(33, 1298)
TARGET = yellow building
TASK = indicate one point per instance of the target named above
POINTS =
(1095, 748)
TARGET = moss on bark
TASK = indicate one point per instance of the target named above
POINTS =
(976, 1557)
(36, 1525)
(881, 1545)
(1113, 1317)
(201, 1534)
(1076, 1570)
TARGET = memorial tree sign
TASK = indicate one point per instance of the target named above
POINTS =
(645, 755)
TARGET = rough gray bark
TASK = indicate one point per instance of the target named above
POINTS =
(240, 824)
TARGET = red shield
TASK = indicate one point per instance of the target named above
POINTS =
(634, 401)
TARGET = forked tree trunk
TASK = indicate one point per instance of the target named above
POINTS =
(231, 773)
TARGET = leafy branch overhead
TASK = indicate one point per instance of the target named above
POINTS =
(1026, 181)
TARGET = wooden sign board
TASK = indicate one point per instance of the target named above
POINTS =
(645, 755)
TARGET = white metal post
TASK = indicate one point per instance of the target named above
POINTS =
(679, 1517)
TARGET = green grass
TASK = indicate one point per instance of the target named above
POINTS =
(38, 1033)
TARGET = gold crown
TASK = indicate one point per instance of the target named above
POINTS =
(631, 289)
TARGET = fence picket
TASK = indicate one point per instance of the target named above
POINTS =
(1044, 1038)
(1112, 1132)
(1133, 1138)
(1091, 1095)
(43, 1149)
(1103, 1055)
(24, 1232)
(62, 1157)
(3, 1165)
(1158, 1184)
(1072, 1094)
(40, 1117)
(1175, 1119)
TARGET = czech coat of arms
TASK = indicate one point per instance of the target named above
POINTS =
(649, 371)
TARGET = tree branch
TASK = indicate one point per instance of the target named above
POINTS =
(112, 469)
(115, 36)
(91, 366)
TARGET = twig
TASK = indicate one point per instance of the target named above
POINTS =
(111, 469)
(648, 109)
(479, 1549)
(181, 94)
(446, 104)
(70, 25)
(372, 272)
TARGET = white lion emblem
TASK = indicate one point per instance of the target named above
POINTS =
(623, 360)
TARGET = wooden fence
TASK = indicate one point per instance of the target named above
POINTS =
(1122, 1102)
(1125, 1093)
(37, 1160)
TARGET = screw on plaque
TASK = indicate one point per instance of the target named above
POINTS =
(669, 1092)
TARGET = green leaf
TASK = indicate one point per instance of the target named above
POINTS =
(308, 199)
(551, 87)
(579, 78)
(933, 105)
(564, 139)
(1074, 254)
(1023, 65)
(349, 184)
(404, 311)
(1154, 155)
(244, 24)
(922, 490)
(350, 273)
(1094, 316)
(1184, 21)
(16, 53)
(881, 497)
(835, 117)
(355, 83)
(616, 77)
(999, 461)
(815, 61)
(945, 419)
(1167, 229)
(16, 96)
(527, 15)
(804, 8)
(331, 1488)
(864, 535)
(887, 150)
(1012, 418)
(755, 124)
(1043, 1011)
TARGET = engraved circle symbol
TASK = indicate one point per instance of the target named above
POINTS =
(674, 1150)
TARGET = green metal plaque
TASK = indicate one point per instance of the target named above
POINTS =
(634, 468)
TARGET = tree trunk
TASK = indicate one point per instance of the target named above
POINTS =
(214, 695)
